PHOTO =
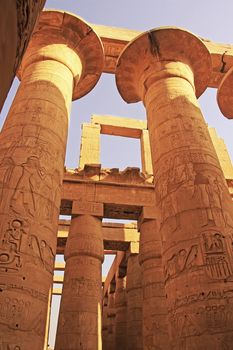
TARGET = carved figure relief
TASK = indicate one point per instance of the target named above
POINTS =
(185, 259)
(41, 252)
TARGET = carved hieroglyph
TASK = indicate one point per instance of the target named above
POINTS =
(154, 305)
(170, 69)
(79, 325)
(32, 151)
(134, 304)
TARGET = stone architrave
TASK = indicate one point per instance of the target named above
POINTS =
(121, 312)
(64, 59)
(134, 303)
(168, 68)
(154, 304)
(79, 324)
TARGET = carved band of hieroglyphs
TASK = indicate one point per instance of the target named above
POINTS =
(83, 286)
(80, 322)
(18, 314)
(90, 208)
(23, 289)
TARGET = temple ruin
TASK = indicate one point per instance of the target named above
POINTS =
(171, 283)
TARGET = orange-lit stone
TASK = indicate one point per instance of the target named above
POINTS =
(166, 69)
(58, 64)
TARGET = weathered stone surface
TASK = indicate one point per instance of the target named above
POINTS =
(191, 193)
(111, 322)
(224, 95)
(32, 152)
(121, 313)
(116, 39)
(17, 20)
(79, 325)
(134, 304)
(154, 304)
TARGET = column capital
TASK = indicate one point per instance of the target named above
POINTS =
(225, 96)
(68, 39)
(159, 48)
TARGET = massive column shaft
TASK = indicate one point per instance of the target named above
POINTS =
(154, 304)
(134, 304)
(171, 68)
(121, 313)
(111, 321)
(79, 324)
(32, 152)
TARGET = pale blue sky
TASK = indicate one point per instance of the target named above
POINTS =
(210, 19)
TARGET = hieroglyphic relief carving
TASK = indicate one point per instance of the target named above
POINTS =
(10, 255)
(213, 318)
(183, 185)
(216, 257)
(79, 321)
(184, 260)
(36, 193)
(84, 286)
(17, 314)
(18, 244)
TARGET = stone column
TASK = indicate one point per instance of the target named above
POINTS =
(111, 316)
(154, 304)
(121, 311)
(168, 68)
(105, 323)
(56, 65)
(134, 303)
(79, 324)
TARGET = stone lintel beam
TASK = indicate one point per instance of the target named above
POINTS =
(115, 236)
(115, 39)
(87, 208)
(148, 213)
(120, 199)
(119, 126)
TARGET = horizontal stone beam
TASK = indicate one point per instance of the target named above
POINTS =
(123, 193)
(118, 126)
(116, 236)
(115, 40)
